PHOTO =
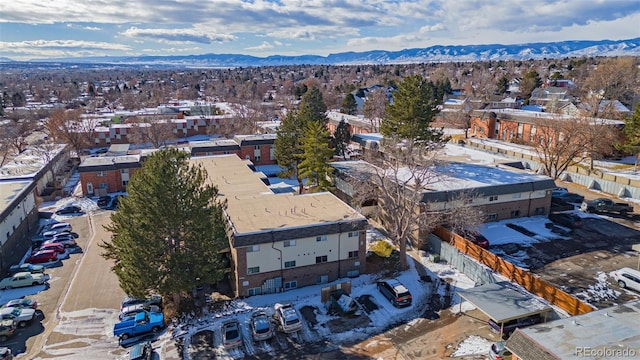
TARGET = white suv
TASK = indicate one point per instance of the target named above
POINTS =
(628, 278)
(288, 318)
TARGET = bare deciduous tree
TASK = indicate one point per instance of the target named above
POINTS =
(374, 108)
(559, 143)
(154, 132)
(69, 127)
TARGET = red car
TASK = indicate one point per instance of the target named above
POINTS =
(57, 247)
(42, 257)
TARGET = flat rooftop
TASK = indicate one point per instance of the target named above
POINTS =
(608, 329)
(253, 208)
(10, 190)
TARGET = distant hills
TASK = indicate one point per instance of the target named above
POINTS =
(451, 53)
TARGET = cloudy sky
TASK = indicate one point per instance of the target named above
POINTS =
(66, 28)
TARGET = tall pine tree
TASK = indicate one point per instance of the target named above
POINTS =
(341, 138)
(167, 234)
(288, 147)
(412, 112)
(312, 107)
(349, 105)
(315, 164)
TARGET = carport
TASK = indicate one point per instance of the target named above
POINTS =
(502, 302)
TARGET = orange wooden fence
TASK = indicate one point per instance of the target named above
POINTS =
(515, 274)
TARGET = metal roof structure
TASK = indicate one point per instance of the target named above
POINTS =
(502, 302)
(611, 333)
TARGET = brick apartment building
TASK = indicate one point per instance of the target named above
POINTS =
(111, 172)
(284, 241)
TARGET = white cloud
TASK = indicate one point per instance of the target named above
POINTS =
(264, 46)
(77, 26)
(177, 35)
(433, 28)
(20, 46)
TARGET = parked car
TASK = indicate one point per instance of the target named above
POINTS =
(151, 300)
(41, 257)
(287, 317)
(59, 227)
(231, 335)
(477, 238)
(103, 201)
(261, 326)
(53, 246)
(5, 353)
(21, 303)
(131, 310)
(559, 191)
(395, 292)
(7, 329)
(20, 316)
(34, 269)
(510, 326)
(22, 279)
(143, 351)
(606, 205)
(627, 278)
(69, 210)
(569, 220)
(141, 323)
(65, 241)
(499, 352)
(571, 198)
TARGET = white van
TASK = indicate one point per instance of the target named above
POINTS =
(628, 278)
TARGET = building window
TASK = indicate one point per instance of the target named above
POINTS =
(322, 279)
(288, 285)
(272, 152)
(357, 263)
(539, 211)
(353, 273)
(101, 174)
(254, 248)
(289, 243)
(353, 254)
(321, 259)
(515, 213)
(124, 171)
(517, 196)
(321, 238)
(253, 270)
(257, 157)
(125, 182)
(103, 186)
(354, 233)
(289, 264)
(492, 216)
(254, 291)
(493, 198)
(256, 147)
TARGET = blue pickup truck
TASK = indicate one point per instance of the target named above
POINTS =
(141, 323)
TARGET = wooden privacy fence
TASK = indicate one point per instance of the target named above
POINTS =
(529, 281)
(325, 292)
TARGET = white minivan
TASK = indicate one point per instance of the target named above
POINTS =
(628, 278)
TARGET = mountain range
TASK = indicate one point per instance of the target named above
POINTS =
(439, 53)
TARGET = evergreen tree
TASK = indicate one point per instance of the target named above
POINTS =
(412, 111)
(288, 147)
(167, 234)
(632, 134)
(529, 83)
(315, 164)
(341, 138)
(502, 84)
(312, 107)
(349, 105)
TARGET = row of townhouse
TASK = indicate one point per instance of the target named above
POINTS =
(108, 174)
(519, 125)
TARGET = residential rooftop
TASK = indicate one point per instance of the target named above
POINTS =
(254, 208)
(610, 329)
(11, 190)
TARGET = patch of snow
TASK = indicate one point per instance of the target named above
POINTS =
(473, 345)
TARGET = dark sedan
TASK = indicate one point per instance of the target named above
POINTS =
(68, 210)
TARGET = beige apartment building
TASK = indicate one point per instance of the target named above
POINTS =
(284, 241)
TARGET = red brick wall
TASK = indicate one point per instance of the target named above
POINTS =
(483, 127)
(113, 179)
(265, 153)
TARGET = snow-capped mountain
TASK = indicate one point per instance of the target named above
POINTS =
(451, 53)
